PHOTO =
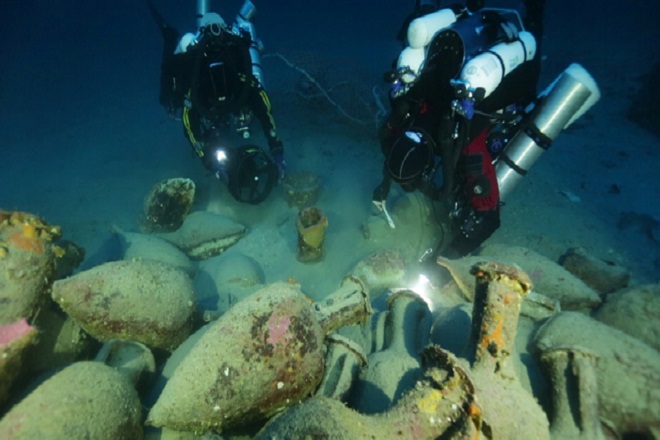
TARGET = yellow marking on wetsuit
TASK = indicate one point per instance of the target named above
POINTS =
(266, 101)
(189, 132)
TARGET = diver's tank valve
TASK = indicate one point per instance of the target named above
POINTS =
(565, 100)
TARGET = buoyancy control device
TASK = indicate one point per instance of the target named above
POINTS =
(241, 26)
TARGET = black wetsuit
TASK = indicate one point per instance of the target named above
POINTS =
(185, 83)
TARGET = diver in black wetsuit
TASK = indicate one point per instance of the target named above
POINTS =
(210, 77)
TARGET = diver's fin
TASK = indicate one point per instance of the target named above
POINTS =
(170, 35)
(157, 16)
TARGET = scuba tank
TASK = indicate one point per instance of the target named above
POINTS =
(464, 43)
(422, 29)
(243, 22)
(488, 69)
(202, 8)
(565, 100)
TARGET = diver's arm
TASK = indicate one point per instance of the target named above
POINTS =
(382, 190)
(260, 105)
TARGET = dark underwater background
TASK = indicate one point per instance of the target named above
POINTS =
(83, 138)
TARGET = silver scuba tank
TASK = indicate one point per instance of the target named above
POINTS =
(244, 22)
(565, 100)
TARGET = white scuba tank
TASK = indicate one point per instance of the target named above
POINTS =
(488, 69)
(412, 58)
(243, 22)
(186, 40)
(422, 29)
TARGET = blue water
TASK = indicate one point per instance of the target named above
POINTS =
(83, 138)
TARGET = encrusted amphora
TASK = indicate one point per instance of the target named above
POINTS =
(509, 411)
(265, 354)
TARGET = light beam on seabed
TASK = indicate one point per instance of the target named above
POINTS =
(421, 284)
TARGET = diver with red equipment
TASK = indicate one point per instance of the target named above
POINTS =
(466, 122)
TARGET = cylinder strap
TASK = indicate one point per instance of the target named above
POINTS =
(507, 160)
(522, 43)
(538, 137)
(499, 58)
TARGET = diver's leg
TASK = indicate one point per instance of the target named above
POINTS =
(170, 35)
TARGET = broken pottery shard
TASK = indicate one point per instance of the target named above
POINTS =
(27, 264)
(549, 278)
(167, 205)
(146, 301)
(627, 369)
(635, 311)
(205, 234)
(86, 400)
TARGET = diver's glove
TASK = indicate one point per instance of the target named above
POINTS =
(278, 158)
(380, 195)
(379, 200)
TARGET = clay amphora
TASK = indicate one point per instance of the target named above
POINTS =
(395, 368)
(508, 409)
(265, 354)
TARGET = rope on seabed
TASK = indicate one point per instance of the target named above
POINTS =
(324, 93)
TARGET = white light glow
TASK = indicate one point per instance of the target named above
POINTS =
(421, 288)
(220, 155)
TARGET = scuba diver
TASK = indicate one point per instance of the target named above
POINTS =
(215, 77)
(466, 122)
